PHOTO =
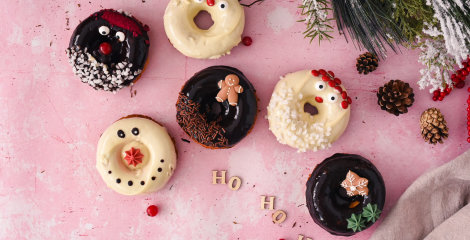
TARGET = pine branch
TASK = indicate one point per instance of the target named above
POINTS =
(369, 23)
(410, 15)
(316, 19)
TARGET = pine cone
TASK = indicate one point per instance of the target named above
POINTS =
(433, 126)
(395, 97)
(367, 63)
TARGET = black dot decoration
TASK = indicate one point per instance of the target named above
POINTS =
(160, 169)
(109, 172)
(118, 180)
(162, 161)
(130, 183)
(153, 178)
(121, 133)
(135, 131)
(142, 183)
(222, 5)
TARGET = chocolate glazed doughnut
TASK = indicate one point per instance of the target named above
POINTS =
(109, 49)
(331, 205)
(217, 107)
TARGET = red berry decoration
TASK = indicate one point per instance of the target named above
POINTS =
(152, 210)
(105, 48)
(458, 81)
(247, 41)
(468, 116)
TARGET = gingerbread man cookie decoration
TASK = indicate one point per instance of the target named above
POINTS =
(229, 89)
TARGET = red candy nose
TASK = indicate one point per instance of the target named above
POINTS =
(105, 48)
(319, 99)
(210, 2)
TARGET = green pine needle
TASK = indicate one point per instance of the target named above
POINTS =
(317, 27)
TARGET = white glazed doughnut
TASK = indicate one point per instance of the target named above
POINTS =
(218, 40)
(295, 92)
(135, 155)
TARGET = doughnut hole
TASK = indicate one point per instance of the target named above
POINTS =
(203, 20)
(137, 145)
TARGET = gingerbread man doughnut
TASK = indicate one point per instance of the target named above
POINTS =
(229, 89)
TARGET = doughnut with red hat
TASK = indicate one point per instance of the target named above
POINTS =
(109, 50)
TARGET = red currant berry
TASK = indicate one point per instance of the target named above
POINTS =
(152, 210)
(468, 139)
(434, 98)
(440, 98)
(436, 93)
(464, 72)
(460, 84)
(468, 69)
(468, 89)
(442, 94)
(247, 41)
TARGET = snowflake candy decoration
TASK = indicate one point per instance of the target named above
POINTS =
(355, 185)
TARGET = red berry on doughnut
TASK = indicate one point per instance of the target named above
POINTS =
(210, 2)
(315, 73)
(339, 89)
(105, 48)
(332, 74)
(331, 83)
(344, 95)
(247, 41)
(152, 210)
(344, 104)
(349, 100)
(319, 99)
(338, 81)
(322, 72)
(325, 78)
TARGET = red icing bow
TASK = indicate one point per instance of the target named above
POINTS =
(134, 156)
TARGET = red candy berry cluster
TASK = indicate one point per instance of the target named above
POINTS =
(458, 81)
(468, 116)
(329, 77)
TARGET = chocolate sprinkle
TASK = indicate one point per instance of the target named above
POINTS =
(196, 125)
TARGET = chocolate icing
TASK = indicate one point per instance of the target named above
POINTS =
(328, 202)
(235, 121)
(133, 50)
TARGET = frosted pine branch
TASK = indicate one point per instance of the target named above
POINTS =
(437, 64)
(316, 19)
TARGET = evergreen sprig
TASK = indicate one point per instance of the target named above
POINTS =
(411, 15)
(370, 24)
(370, 213)
(315, 13)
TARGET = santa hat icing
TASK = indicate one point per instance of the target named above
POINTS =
(116, 18)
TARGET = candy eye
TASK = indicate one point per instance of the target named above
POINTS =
(135, 131)
(320, 86)
(121, 37)
(223, 5)
(198, 1)
(121, 134)
(332, 97)
(103, 30)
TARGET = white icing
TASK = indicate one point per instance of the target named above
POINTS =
(298, 129)
(121, 36)
(154, 143)
(212, 43)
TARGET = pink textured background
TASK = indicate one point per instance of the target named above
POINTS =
(50, 123)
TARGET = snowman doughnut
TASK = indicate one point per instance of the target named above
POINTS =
(309, 110)
(109, 49)
(218, 40)
(135, 155)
